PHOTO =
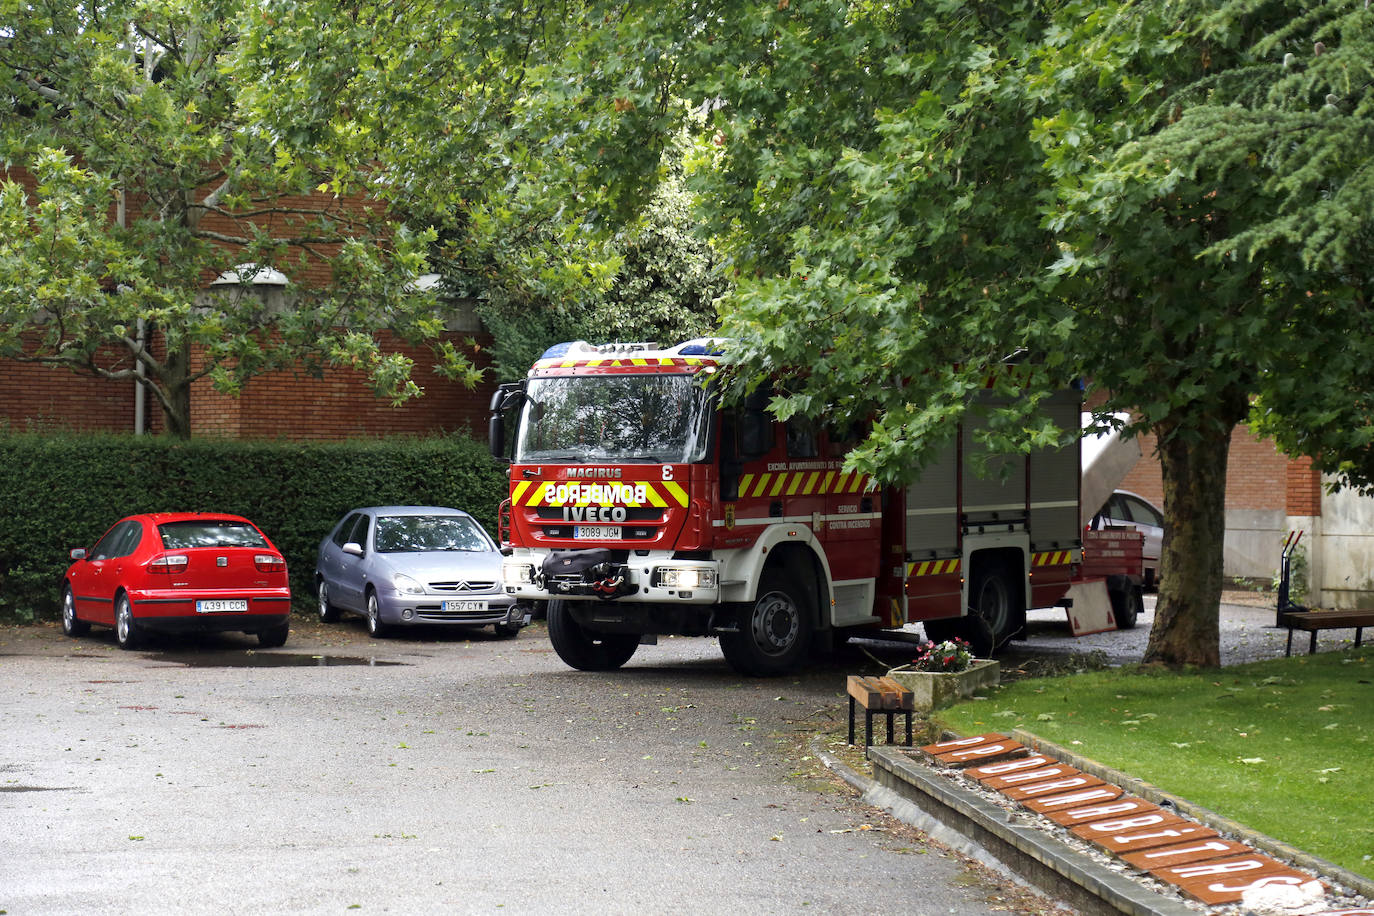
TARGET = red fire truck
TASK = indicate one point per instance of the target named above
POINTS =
(639, 508)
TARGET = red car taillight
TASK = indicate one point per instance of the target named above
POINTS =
(169, 564)
(265, 562)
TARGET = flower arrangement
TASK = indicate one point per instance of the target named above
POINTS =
(950, 655)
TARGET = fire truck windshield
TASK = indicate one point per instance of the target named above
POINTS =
(652, 418)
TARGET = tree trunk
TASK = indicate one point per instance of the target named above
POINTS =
(1187, 615)
(175, 394)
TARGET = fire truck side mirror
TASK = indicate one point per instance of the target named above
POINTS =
(506, 397)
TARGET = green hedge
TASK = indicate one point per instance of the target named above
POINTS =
(64, 491)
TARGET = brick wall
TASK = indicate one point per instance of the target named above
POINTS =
(1256, 472)
(35, 397)
(39, 398)
(340, 405)
(285, 405)
(1303, 489)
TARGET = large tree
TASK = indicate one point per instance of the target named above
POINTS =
(144, 182)
(915, 191)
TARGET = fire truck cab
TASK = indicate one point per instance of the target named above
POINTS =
(639, 507)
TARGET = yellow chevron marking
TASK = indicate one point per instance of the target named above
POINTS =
(825, 484)
(933, 568)
(811, 483)
(676, 491)
(520, 489)
(744, 483)
(794, 483)
(654, 499)
(777, 486)
(763, 482)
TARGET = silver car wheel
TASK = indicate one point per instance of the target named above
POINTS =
(328, 613)
(374, 616)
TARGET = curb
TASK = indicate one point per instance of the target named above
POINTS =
(970, 825)
(1152, 793)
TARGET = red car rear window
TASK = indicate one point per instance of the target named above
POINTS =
(210, 533)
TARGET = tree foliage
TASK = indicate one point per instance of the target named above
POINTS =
(149, 182)
(910, 193)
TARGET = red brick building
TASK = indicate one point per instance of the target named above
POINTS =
(277, 405)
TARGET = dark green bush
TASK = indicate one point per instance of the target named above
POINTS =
(63, 491)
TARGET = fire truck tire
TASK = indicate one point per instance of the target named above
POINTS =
(1127, 606)
(587, 650)
(991, 600)
(774, 632)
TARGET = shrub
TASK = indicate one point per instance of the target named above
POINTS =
(63, 491)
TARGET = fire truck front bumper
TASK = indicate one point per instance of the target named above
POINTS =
(610, 574)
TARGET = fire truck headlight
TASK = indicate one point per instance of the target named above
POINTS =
(517, 573)
(670, 577)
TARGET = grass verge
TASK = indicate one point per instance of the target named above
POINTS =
(1284, 746)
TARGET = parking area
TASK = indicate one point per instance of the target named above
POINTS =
(448, 774)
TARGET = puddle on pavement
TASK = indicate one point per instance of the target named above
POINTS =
(256, 660)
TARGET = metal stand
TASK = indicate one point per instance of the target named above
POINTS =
(1290, 545)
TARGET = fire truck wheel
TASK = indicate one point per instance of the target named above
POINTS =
(991, 599)
(1127, 606)
(587, 650)
(774, 632)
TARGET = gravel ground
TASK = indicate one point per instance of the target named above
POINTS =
(1248, 633)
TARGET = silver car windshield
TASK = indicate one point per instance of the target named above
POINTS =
(425, 533)
(652, 418)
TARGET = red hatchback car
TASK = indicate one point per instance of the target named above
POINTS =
(182, 572)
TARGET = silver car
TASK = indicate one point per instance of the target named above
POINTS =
(405, 565)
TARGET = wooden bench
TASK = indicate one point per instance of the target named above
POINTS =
(1312, 621)
(879, 695)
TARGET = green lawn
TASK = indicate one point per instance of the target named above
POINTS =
(1285, 746)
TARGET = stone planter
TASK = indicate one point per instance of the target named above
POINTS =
(937, 689)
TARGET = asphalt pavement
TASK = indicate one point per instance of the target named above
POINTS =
(439, 775)
(464, 774)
